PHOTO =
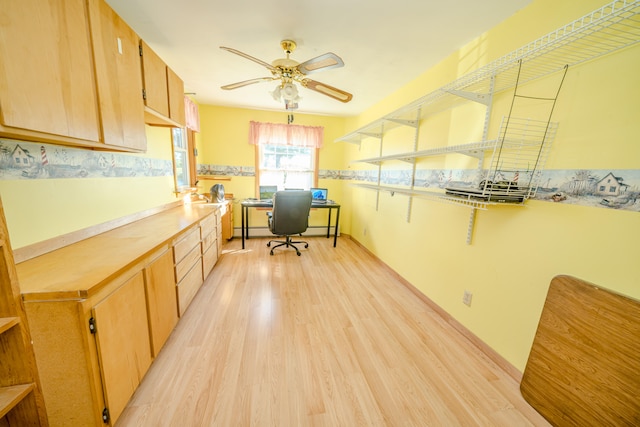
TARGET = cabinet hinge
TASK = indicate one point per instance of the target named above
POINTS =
(105, 416)
(144, 94)
(140, 49)
(92, 325)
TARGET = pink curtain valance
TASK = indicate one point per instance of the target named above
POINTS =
(192, 117)
(283, 134)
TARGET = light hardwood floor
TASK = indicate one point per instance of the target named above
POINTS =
(330, 338)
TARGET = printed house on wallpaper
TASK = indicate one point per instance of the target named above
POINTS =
(21, 157)
(611, 185)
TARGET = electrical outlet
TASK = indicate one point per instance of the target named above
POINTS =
(466, 298)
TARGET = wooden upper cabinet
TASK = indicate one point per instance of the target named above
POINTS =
(163, 89)
(118, 78)
(70, 74)
(154, 72)
(176, 97)
(46, 73)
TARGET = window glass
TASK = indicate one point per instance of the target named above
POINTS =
(180, 158)
(287, 166)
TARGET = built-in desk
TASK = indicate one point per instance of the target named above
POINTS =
(252, 203)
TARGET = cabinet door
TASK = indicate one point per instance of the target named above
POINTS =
(162, 302)
(46, 72)
(154, 72)
(176, 97)
(123, 343)
(227, 222)
(118, 78)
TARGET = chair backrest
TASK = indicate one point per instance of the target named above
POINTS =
(290, 212)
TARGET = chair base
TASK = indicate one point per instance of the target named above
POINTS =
(288, 242)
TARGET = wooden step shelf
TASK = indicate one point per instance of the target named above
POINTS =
(7, 323)
(12, 396)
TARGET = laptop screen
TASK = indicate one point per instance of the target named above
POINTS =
(266, 191)
(319, 194)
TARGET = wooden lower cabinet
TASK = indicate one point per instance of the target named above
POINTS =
(187, 254)
(189, 286)
(94, 343)
(162, 307)
(122, 337)
(93, 352)
(227, 219)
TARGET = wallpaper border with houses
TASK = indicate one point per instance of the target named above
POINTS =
(28, 160)
(603, 188)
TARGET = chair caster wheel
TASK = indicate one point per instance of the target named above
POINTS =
(298, 253)
(306, 245)
(269, 244)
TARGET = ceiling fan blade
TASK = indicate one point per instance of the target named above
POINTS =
(330, 91)
(320, 63)
(249, 57)
(247, 83)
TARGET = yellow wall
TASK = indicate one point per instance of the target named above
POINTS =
(515, 250)
(41, 209)
(223, 140)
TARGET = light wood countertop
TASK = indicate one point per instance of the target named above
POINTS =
(81, 269)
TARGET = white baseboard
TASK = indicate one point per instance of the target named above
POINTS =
(264, 231)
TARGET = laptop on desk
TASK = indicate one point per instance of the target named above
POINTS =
(319, 195)
(267, 192)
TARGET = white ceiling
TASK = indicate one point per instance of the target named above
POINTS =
(384, 43)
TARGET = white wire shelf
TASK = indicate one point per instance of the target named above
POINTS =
(462, 199)
(612, 27)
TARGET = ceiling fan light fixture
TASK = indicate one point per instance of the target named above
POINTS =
(287, 92)
(277, 93)
(290, 92)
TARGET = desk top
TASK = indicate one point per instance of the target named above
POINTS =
(256, 203)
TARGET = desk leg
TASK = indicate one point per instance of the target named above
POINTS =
(335, 233)
(243, 211)
(329, 223)
(247, 224)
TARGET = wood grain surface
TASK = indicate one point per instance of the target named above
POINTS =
(584, 366)
(330, 338)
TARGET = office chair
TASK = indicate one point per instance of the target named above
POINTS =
(290, 215)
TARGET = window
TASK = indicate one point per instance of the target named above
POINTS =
(180, 158)
(286, 155)
(286, 166)
(184, 148)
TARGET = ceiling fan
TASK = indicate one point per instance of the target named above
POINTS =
(289, 71)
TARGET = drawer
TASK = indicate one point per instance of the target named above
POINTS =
(185, 265)
(209, 259)
(186, 244)
(208, 224)
(207, 241)
(189, 286)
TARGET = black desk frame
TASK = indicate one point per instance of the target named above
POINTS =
(269, 205)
